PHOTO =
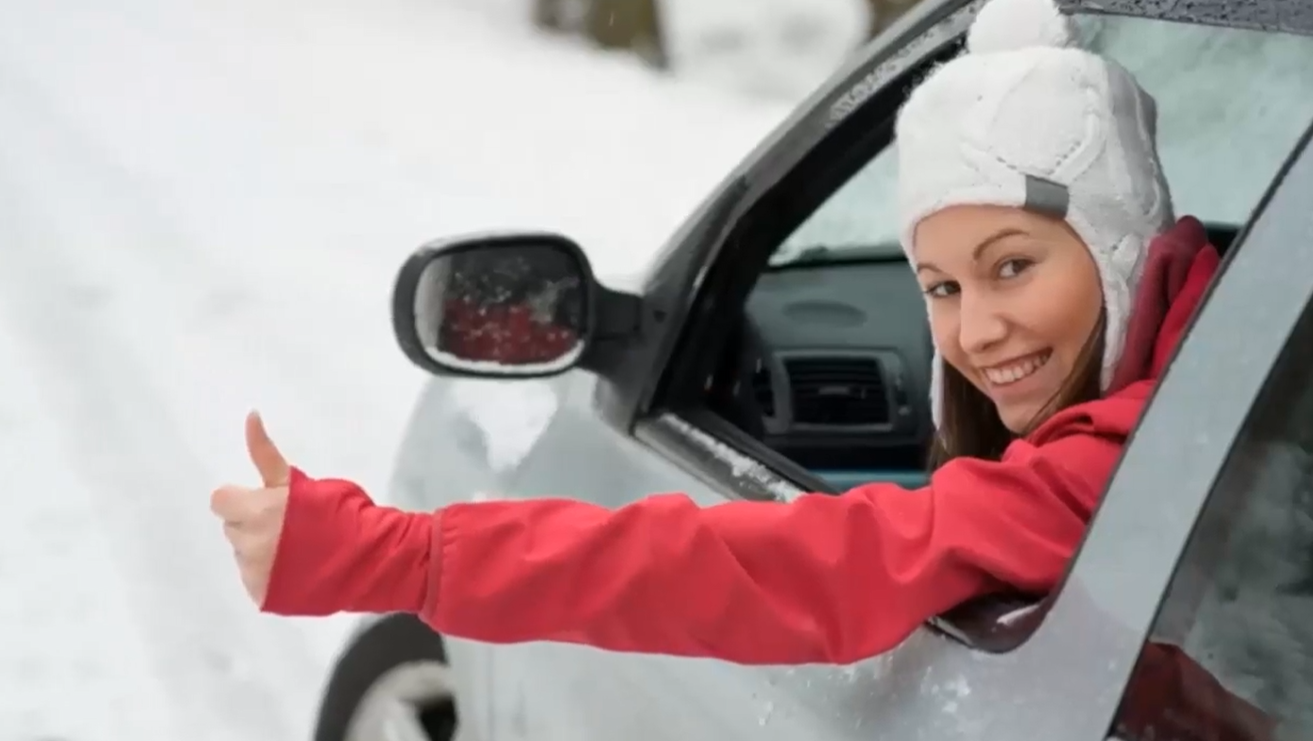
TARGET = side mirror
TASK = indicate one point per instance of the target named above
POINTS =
(504, 306)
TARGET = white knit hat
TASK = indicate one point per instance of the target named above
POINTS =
(1025, 118)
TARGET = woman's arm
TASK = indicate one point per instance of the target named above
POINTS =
(828, 579)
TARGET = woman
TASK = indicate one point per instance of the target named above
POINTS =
(1057, 284)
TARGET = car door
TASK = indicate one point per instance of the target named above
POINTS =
(646, 428)
(1210, 516)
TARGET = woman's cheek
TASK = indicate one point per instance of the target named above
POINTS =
(943, 323)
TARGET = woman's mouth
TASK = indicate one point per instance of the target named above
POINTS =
(1015, 370)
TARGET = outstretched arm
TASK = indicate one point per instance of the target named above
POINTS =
(828, 579)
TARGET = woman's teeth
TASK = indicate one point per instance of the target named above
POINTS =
(1005, 374)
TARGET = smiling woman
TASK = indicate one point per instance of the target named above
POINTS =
(1028, 244)
(1016, 310)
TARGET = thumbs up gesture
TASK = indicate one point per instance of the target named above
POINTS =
(253, 517)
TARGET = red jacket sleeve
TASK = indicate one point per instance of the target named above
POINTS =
(829, 579)
(339, 551)
(824, 578)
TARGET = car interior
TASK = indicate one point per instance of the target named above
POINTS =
(830, 367)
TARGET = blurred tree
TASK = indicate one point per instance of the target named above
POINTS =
(628, 24)
(560, 15)
(611, 24)
(885, 12)
(545, 15)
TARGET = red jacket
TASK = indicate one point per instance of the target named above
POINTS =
(823, 579)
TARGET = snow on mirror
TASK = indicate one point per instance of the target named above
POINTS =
(512, 309)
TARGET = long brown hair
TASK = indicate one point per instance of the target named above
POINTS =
(970, 425)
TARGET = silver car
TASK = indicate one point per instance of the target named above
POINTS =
(778, 344)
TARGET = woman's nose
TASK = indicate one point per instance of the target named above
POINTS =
(981, 324)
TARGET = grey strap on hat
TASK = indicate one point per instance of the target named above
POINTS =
(1044, 196)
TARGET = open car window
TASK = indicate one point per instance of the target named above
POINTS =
(842, 373)
(1231, 102)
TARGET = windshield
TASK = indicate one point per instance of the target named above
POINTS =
(859, 215)
(1230, 104)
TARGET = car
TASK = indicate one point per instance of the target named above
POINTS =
(778, 344)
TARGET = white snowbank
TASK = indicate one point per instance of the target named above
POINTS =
(202, 208)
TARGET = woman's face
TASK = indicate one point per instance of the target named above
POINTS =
(1013, 299)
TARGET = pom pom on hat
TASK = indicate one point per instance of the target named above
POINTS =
(1009, 25)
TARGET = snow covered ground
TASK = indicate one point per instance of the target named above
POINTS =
(202, 206)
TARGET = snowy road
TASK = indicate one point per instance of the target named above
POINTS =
(201, 209)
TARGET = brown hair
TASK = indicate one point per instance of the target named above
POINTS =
(970, 425)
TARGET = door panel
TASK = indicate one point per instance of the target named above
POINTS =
(928, 688)
(1240, 604)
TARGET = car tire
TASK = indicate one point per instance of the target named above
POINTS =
(393, 682)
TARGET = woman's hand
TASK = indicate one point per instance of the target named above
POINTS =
(253, 518)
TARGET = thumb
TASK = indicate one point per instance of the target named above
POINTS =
(273, 468)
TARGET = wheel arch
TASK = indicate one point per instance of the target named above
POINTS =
(376, 644)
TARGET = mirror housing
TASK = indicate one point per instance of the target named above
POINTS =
(514, 305)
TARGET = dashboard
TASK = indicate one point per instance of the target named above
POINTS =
(838, 366)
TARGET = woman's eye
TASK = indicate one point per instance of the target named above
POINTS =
(941, 290)
(1013, 267)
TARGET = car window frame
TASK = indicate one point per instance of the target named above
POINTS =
(740, 467)
(627, 391)
(636, 398)
(674, 406)
(652, 421)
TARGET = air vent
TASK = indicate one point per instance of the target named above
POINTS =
(838, 391)
(762, 391)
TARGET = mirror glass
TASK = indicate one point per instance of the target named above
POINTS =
(503, 309)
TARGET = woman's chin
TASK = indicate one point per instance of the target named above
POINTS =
(1020, 418)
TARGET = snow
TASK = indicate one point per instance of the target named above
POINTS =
(779, 48)
(202, 209)
(510, 418)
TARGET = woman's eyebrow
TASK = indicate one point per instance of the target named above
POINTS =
(995, 238)
(986, 243)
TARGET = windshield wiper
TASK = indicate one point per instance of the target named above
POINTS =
(825, 254)
(810, 255)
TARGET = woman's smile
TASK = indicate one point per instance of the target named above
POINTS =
(1017, 378)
